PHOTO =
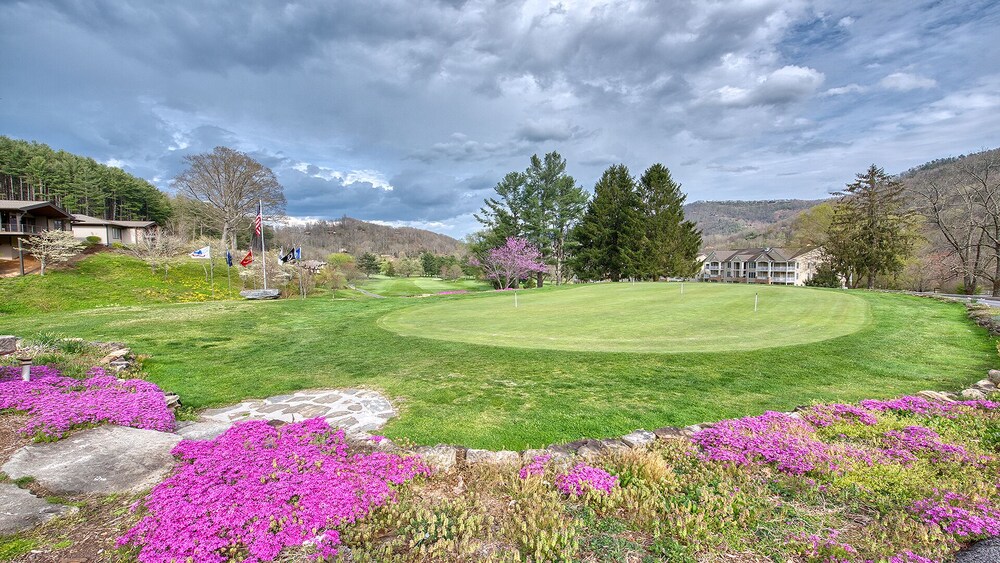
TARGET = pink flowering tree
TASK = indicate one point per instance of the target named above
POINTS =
(506, 265)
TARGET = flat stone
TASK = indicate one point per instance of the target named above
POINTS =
(693, 429)
(504, 457)
(613, 445)
(260, 294)
(973, 395)
(994, 376)
(103, 460)
(668, 432)
(985, 385)
(639, 438)
(312, 411)
(20, 510)
(277, 399)
(935, 396)
(354, 407)
(115, 355)
(8, 344)
(440, 458)
(342, 422)
(203, 430)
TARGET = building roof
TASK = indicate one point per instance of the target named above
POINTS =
(42, 208)
(80, 219)
(773, 254)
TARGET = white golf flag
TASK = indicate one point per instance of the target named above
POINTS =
(202, 253)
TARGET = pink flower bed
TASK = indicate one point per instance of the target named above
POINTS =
(583, 478)
(926, 407)
(905, 445)
(57, 404)
(960, 515)
(255, 490)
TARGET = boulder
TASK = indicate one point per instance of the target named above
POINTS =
(973, 395)
(115, 355)
(613, 445)
(439, 458)
(104, 460)
(994, 376)
(20, 510)
(639, 438)
(985, 385)
(504, 457)
(8, 345)
(260, 294)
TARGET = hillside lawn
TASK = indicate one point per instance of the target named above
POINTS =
(418, 285)
(478, 395)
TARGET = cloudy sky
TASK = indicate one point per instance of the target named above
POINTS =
(410, 111)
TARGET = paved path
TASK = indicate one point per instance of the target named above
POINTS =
(366, 292)
(988, 300)
(354, 410)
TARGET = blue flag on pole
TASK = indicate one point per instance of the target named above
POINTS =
(229, 259)
(298, 253)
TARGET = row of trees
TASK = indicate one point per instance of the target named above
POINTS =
(630, 228)
(82, 185)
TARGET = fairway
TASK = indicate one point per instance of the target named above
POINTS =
(644, 317)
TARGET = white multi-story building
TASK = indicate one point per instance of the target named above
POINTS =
(782, 266)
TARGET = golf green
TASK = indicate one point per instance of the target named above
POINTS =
(642, 317)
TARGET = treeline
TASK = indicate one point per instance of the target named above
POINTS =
(631, 228)
(357, 237)
(30, 170)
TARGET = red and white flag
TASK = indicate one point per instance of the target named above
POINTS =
(247, 260)
(258, 221)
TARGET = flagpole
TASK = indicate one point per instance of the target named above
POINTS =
(263, 254)
(211, 268)
(229, 276)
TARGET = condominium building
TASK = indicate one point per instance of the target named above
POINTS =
(782, 266)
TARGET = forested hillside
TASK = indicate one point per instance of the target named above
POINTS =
(30, 170)
(356, 237)
(746, 223)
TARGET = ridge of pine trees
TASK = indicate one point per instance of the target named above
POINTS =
(82, 185)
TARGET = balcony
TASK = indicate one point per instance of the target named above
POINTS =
(20, 229)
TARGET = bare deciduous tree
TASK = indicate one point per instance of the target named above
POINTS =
(53, 247)
(232, 183)
(157, 249)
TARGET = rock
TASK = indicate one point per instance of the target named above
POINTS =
(985, 385)
(691, 430)
(985, 551)
(936, 396)
(104, 460)
(8, 345)
(173, 400)
(973, 395)
(202, 430)
(473, 457)
(639, 438)
(260, 294)
(668, 432)
(440, 458)
(613, 445)
(115, 355)
(530, 455)
(20, 510)
(994, 376)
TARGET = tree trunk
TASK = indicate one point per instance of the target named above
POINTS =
(969, 283)
(541, 277)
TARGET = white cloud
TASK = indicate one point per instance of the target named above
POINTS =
(905, 81)
(782, 86)
(114, 162)
(848, 89)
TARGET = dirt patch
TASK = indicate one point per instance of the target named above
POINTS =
(11, 439)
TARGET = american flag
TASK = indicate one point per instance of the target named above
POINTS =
(257, 221)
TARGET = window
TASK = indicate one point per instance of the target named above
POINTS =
(116, 233)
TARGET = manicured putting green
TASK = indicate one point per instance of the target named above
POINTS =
(644, 317)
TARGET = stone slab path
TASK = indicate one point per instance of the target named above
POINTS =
(103, 460)
(357, 411)
(21, 510)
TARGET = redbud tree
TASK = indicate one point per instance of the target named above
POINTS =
(506, 265)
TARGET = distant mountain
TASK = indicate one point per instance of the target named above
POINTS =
(355, 236)
(745, 223)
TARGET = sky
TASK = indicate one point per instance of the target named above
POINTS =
(408, 112)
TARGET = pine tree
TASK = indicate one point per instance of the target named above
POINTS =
(368, 264)
(870, 234)
(671, 244)
(610, 235)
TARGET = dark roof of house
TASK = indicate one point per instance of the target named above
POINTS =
(80, 219)
(42, 208)
(751, 254)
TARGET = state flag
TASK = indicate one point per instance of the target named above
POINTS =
(247, 260)
(202, 253)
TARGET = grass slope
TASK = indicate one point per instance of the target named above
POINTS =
(407, 287)
(494, 397)
(109, 279)
(644, 317)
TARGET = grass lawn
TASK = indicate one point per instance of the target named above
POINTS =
(644, 317)
(407, 287)
(877, 345)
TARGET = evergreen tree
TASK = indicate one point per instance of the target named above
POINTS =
(670, 244)
(368, 264)
(870, 232)
(541, 204)
(610, 236)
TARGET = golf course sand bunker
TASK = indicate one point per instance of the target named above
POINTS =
(644, 317)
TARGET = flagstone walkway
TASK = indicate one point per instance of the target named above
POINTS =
(355, 410)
